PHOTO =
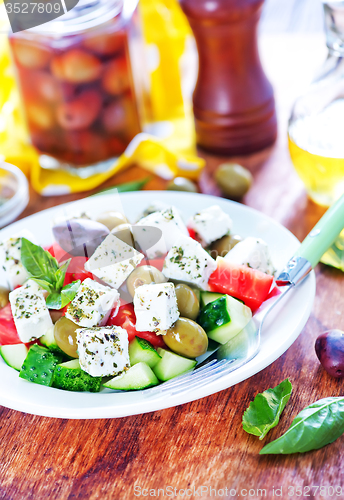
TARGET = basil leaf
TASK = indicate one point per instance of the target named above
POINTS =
(44, 284)
(68, 292)
(319, 424)
(58, 300)
(38, 262)
(264, 412)
(125, 187)
(60, 275)
(54, 301)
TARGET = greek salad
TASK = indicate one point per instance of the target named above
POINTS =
(125, 305)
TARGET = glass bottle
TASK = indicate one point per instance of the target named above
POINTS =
(233, 101)
(82, 84)
(316, 125)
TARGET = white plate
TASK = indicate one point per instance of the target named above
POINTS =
(279, 333)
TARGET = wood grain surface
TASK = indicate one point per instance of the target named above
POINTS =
(200, 444)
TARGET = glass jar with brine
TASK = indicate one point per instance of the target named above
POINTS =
(83, 84)
(316, 126)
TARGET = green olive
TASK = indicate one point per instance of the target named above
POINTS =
(144, 275)
(233, 180)
(187, 338)
(4, 300)
(65, 336)
(188, 303)
(124, 233)
(182, 184)
(111, 219)
(221, 247)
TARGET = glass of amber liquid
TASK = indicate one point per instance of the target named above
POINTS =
(316, 125)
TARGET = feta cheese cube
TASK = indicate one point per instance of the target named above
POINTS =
(210, 224)
(113, 261)
(155, 206)
(10, 250)
(252, 252)
(188, 262)
(92, 304)
(30, 313)
(155, 307)
(103, 351)
(172, 226)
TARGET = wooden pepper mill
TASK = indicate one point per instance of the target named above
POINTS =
(233, 101)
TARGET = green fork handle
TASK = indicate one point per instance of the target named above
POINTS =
(324, 233)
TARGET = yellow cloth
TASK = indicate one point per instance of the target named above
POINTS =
(166, 32)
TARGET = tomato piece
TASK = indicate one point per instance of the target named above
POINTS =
(56, 251)
(126, 319)
(8, 331)
(192, 233)
(76, 271)
(246, 284)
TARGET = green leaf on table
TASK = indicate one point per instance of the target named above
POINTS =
(124, 188)
(38, 262)
(58, 300)
(264, 412)
(315, 426)
(335, 254)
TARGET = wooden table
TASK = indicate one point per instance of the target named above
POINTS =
(201, 443)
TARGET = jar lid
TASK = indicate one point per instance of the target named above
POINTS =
(86, 15)
(14, 193)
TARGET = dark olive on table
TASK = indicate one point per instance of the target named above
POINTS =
(144, 275)
(329, 348)
(221, 247)
(111, 219)
(188, 303)
(80, 237)
(233, 180)
(182, 184)
(186, 338)
(65, 336)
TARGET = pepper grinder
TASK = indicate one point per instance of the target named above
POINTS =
(233, 101)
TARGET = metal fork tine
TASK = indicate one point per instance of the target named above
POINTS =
(187, 382)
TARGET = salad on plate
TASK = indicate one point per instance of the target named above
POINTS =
(124, 305)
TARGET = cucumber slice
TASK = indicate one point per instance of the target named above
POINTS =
(70, 377)
(207, 297)
(139, 376)
(171, 365)
(39, 365)
(48, 340)
(142, 350)
(224, 318)
(14, 355)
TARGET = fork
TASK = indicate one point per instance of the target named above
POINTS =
(246, 344)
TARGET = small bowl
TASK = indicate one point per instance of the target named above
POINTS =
(14, 193)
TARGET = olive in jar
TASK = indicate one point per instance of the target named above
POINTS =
(233, 180)
(188, 303)
(186, 338)
(65, 336)
(144, 275)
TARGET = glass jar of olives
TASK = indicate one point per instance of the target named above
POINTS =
(83, 84)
